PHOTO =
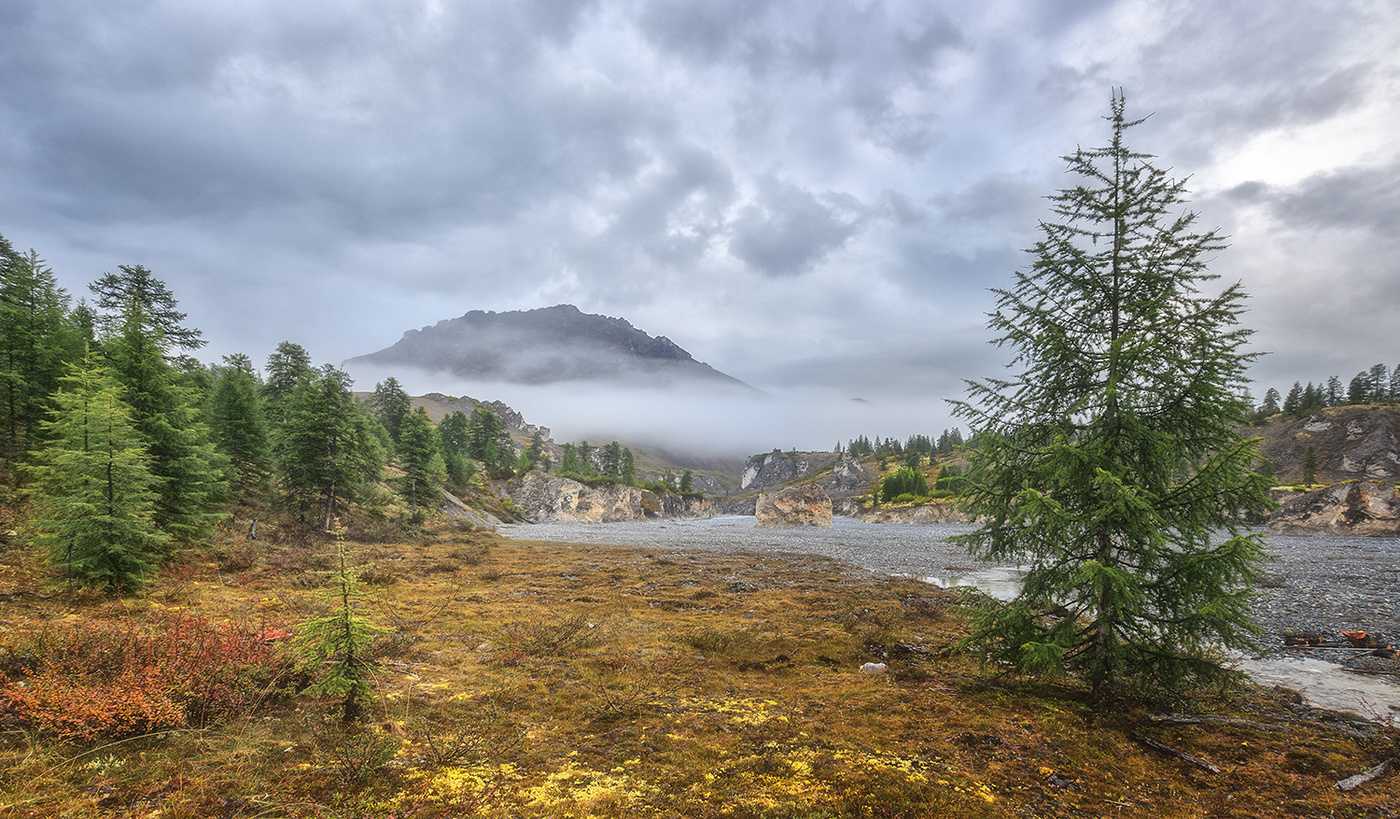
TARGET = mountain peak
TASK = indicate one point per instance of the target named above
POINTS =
(544, 346)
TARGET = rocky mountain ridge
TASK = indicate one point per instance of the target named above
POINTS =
(548, 345)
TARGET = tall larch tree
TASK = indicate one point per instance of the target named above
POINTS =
(237, 425)
(191, 472)
(326, 451)
(391, 405)
(1110, 462)
(135, 285)
(422, 464)
(288, 368)
(36, 341)
(95, 494)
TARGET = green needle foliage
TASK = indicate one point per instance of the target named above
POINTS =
(1111, 464)
(36, 340)
(336, 646)
(422, 464)
(189, 468)
(93, 486)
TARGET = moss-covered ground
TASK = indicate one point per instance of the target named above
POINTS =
(545, 680)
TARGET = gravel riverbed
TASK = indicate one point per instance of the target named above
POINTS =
(1310, 584)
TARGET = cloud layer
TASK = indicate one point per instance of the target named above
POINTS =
(810, 196)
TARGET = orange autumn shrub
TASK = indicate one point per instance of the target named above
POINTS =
(95, 680)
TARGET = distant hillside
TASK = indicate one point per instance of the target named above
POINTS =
(1350, 442)
(547, 346)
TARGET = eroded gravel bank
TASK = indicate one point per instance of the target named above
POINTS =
(1311, 584)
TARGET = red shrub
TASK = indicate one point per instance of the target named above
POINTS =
(99, 680)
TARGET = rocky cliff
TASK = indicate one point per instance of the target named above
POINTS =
(777, 468)
(547, 498)
(1364, 508)
(1350, 443)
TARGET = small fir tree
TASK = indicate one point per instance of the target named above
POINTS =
(1310, 466)
(1111, 464)
(336, 647)
(93, 487)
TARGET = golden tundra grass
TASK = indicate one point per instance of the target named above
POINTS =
(543, 680)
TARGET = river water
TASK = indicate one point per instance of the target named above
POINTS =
(924, 552)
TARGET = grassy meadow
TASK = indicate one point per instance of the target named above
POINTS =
(527, 679)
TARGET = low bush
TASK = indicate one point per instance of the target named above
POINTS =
(100, 680)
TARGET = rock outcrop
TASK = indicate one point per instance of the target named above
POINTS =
(777, 468)
(547, 498)
(1364, 508)
(1350, 443)
(848, 477)
(454, 509)
(928, 513)
(793, 507)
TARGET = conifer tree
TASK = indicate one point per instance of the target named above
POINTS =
(135, 286)
(1293, 400)
(189, 469)
(288, 368)
(1378, 383)
(453, 432)
(36, 340)
(336, 646)
(1334, 394)
(627, 471)
(568, 460)
(489, 442)
(95, 494)
(1110, 463)
(1310, 466)
(391, 405)
(237, 426)
(420, 460)
(326, 451)
(1358, 389)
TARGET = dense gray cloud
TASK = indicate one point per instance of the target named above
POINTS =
(811, 196)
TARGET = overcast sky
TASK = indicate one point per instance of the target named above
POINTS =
(810, 196)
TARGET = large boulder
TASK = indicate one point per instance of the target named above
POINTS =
(793, 507)
(1365, 508)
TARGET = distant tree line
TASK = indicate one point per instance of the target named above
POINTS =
(1378, 385)
(128, 449)
(921, 446)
